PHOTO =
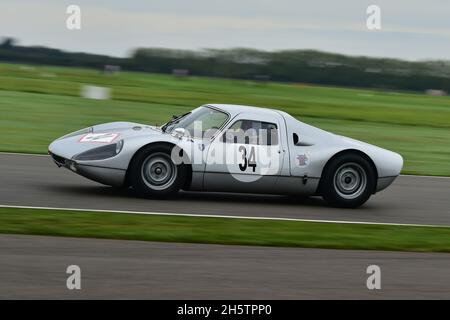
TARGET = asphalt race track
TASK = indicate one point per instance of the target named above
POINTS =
(36, 181)
(35, 267)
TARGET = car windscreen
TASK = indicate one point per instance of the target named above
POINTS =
(201, 122)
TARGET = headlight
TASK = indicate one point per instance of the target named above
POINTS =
(101, 153)
(77, 133)
(119, 146)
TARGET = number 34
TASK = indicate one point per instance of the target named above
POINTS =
(247, 162)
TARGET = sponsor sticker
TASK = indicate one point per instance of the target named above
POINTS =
(302, 160)
(99, 137)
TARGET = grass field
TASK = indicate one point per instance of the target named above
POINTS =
(223, 231)
(39, 104)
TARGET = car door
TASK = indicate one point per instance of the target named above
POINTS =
(247, 156)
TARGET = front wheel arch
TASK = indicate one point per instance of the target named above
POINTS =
(347, 151)
(156, 144)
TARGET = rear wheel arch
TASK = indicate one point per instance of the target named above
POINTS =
(345, 152)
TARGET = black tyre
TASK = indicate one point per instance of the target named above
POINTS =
(153, 173)
(348, 181)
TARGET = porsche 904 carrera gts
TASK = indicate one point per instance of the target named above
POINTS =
(229, 148)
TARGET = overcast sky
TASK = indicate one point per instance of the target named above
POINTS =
(411, 29)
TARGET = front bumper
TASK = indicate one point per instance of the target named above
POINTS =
(107, 176)
(384, 182)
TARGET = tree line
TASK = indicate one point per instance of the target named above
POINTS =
(300, 66)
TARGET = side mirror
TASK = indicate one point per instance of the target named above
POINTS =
(179, 132)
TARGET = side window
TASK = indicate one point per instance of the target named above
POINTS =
(270, 131)
(251, 132)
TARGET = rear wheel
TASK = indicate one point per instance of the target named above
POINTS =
(154, 174)
(348, 181)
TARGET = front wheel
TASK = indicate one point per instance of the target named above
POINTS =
(154, 174)
(348, 181)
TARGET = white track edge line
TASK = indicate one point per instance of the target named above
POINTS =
(24, 154)
(226, 217)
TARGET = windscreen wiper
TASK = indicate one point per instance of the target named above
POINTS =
(174, 120)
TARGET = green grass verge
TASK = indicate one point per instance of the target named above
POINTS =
(223, 231)
(39, 104)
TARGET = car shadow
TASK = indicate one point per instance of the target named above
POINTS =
(106, 192)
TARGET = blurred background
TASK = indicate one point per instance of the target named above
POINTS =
(144, 62)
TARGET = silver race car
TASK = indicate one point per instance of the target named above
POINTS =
(229, 148)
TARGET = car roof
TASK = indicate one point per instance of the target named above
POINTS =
(234, 109)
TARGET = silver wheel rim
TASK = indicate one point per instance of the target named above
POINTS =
(350, 180)
(158, 171)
